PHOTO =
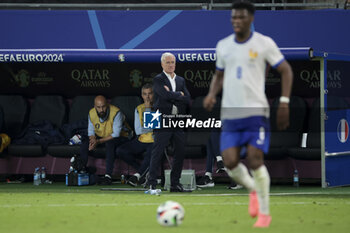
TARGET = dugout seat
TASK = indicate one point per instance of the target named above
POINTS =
(313, 142)
(280, 141)
(80, 108)
(78, 115)
(1, 125)
(127, 105)
(50, 108)
(1, 118)
(15, 109)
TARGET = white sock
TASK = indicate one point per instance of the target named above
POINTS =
(262, 184)
(137, 175)
(208, 174)
(241, 176)
(218, 158)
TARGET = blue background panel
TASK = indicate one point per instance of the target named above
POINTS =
(192, 29)
(118, 27)
(333, 143)
(45, 29)
(324, 30)
(337, 170)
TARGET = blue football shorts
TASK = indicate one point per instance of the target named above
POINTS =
(253, 131)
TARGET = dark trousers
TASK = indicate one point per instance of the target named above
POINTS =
(110, 146)
(213, 150)
(161, 140)
(134, 150)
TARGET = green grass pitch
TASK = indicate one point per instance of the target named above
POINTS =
(57, 208)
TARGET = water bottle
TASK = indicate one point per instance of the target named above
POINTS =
(36, 176)
(156, 192)
(43, 175)
(75, 140)
(296, 178)
(122, 179)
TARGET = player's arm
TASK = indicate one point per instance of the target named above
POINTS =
(286, 73)
(215, 87)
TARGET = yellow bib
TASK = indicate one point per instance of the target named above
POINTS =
(146, 137)
(104, 129)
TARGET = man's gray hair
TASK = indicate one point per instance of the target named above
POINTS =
(166, 54)
(147, 86)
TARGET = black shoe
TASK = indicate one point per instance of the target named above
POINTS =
(145, 185)
(133, 181)
(142, 181)
(178, 189)
(220, 167)
(234, 186)
(105, 181)
(205, 182)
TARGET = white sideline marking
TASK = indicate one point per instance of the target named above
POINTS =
(271, 194)
(157, 203)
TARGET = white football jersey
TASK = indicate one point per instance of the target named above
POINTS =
(244, 65)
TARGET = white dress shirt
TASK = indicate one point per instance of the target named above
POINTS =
(173, 87)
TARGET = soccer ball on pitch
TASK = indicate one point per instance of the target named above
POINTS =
(170, 213)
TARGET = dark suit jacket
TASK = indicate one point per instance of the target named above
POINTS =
(164, 100)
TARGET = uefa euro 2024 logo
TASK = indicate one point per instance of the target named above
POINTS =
(151, 120)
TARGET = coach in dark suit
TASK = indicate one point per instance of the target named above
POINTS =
(170, 97)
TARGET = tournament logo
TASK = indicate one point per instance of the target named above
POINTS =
(343, 130)
(121, 57)
(151, 120)
(22, 78)
(135, 78)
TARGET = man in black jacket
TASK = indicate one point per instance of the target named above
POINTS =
(171, 97)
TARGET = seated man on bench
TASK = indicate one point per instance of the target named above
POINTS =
(141, 146)
(107, 126)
